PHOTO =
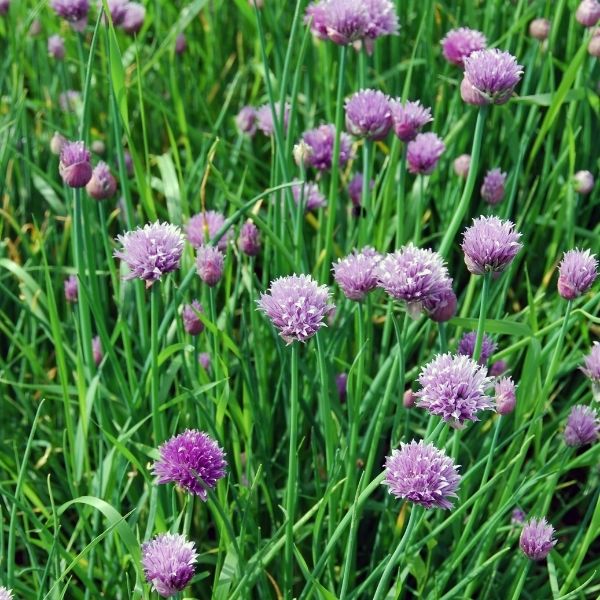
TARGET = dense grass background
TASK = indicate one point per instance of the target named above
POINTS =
(77, 441)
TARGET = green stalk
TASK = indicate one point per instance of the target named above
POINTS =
(419, 211)
(366, 193)
(485, 292)
(521, 581)
(157, 425)
(400, 199)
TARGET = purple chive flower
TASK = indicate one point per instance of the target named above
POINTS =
(594, 45)
(539, 29)
(192, 323)
(97, 351)
(423, 474)
(492, 190)
(462, 164)
(151, 252)
(345, 21)
(4, 7)
(180, 44)
(588, 13)
(417, 276)
(382, 19)
(74, 166)
(71, 289)
(134, 18)
(56, 47)
(355, 188)
(591, 363)
(409, 118)
(315, 16)
(493, 75)
(128, 160)
(490, 245)
(204, 226)
(453, 387)
(498, 368)
(73, 11)
(249, 239)
(57, 141)
(341, 383)
(102, 185)
(308, 193)
(443, 307)
(408, 400)
(577, 272)
(320, 141)
(424, 152)
(517, 517)
(245, 121)
(5, 593)
(368, 114)
(264, 118)
(466, 346)
(210, 263)
(460, 43)
(168, 562)
(356, 274)
(192, 460)
(204, 360)
(536, 539)
(583, 180)
(117, 10)
(582, 427)
(296, 305)
(505, 395)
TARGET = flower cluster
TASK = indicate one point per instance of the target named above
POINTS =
(356, 274)
(466, 346)
(461, 43)
(576, 273)
(536, 539)
(203, 227)
(369, 114)
(582, 427)
(320, 142)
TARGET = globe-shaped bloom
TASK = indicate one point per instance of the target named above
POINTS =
(460, 43)
(492, 189)
(192, 322)
(592, 363)
(539, 29)
(134, 18)
(505, 395)
(536, 539)
(453, 387)
(382, 19)
(423, 474)
(210, 263)
(296, 305)
(316, 16)
(576, 273)
(308, 193)
(442, 307)
(409, 118)
(345, 20)
(168, 561)
(249, 239)
(493, 75)
(117, 10)
(368, 114)
(466, 346)
(102, 185)
(582, 427)
(192, 460)
(71, 10)
(424, 152)
(320, 142)
(5, 593)
(56, 47)
(245, 121)
(71, 289)
(584, 180)
(151, 252)
(490, 245)
(462, 164)
(356, 274)
(74, 166)
(204, 226)
(588, 13)
(264, 118)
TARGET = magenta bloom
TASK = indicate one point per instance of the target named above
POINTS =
(316, 16)
(102, 185)
(192, 460)
(71, 10)
(417, 276)
(308, 193)
(321, 141)
(168, 562)
(539, 29)
(466, 346)
(498, 368)
(460, 43)
(355, 188)
(576, 273)
(117, 9)
(204, 226)
(584, 180)
(423, 474)
(356, 274)
(492, 190)
(453, 387)
(71, 289)
(345, 21)
(536, 539)
(264, 118)
(249, 239)
(490, 245)
(151, 252)
(56, 47)
(74, 166)
(591, 362)
(134, 18)
(462, 164)
(369, 114)
(245, 120)
(582, 427)
(210, 263)
(505, 395)
(409, 118)
(424, 152)
(588, 13)
(443, 307)
(192, 322)
(382, 19)
(296, 305)
(493, 74)
(97, 351)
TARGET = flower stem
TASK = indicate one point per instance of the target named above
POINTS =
(157, 425)
(485, 292)
(366, 193)
(419, 211)
(400, 199)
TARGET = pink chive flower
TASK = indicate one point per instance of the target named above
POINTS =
(249, 239)
(408, 399)
(296, 305)
(492, 190)
(453, 387)
(134, 18)
(584, 180)
(368, 114)
(117, 10)
(151, 252)
(443, 307)
(210, 263)
(56, 47)
(97, 351)
(517, 517)
(168, 561)
(192, 322)
(409, 118)
(423, 474)
(536, 539)
(493, 75)
(461, 43)
(462, 164)
(74, 11)
(264, 118)
(582, 427)
(356, 274)
(57, 142)
(102, 185)
(320, 141)
(498, 368)
(71, 289)
(204, 226)
(577, 272)
(591, 363)
(309, 194)
(505, 395)
(588, 13)
(245, 121)
(466, 346)
(345, 20)
(594, 45)
(539, 29)
(424, 152)
(490, 245)
(316, 16)
(355, 188)
(74, 166)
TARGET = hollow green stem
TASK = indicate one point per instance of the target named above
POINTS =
(157, 424)
(400, 199)
(485, 292)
